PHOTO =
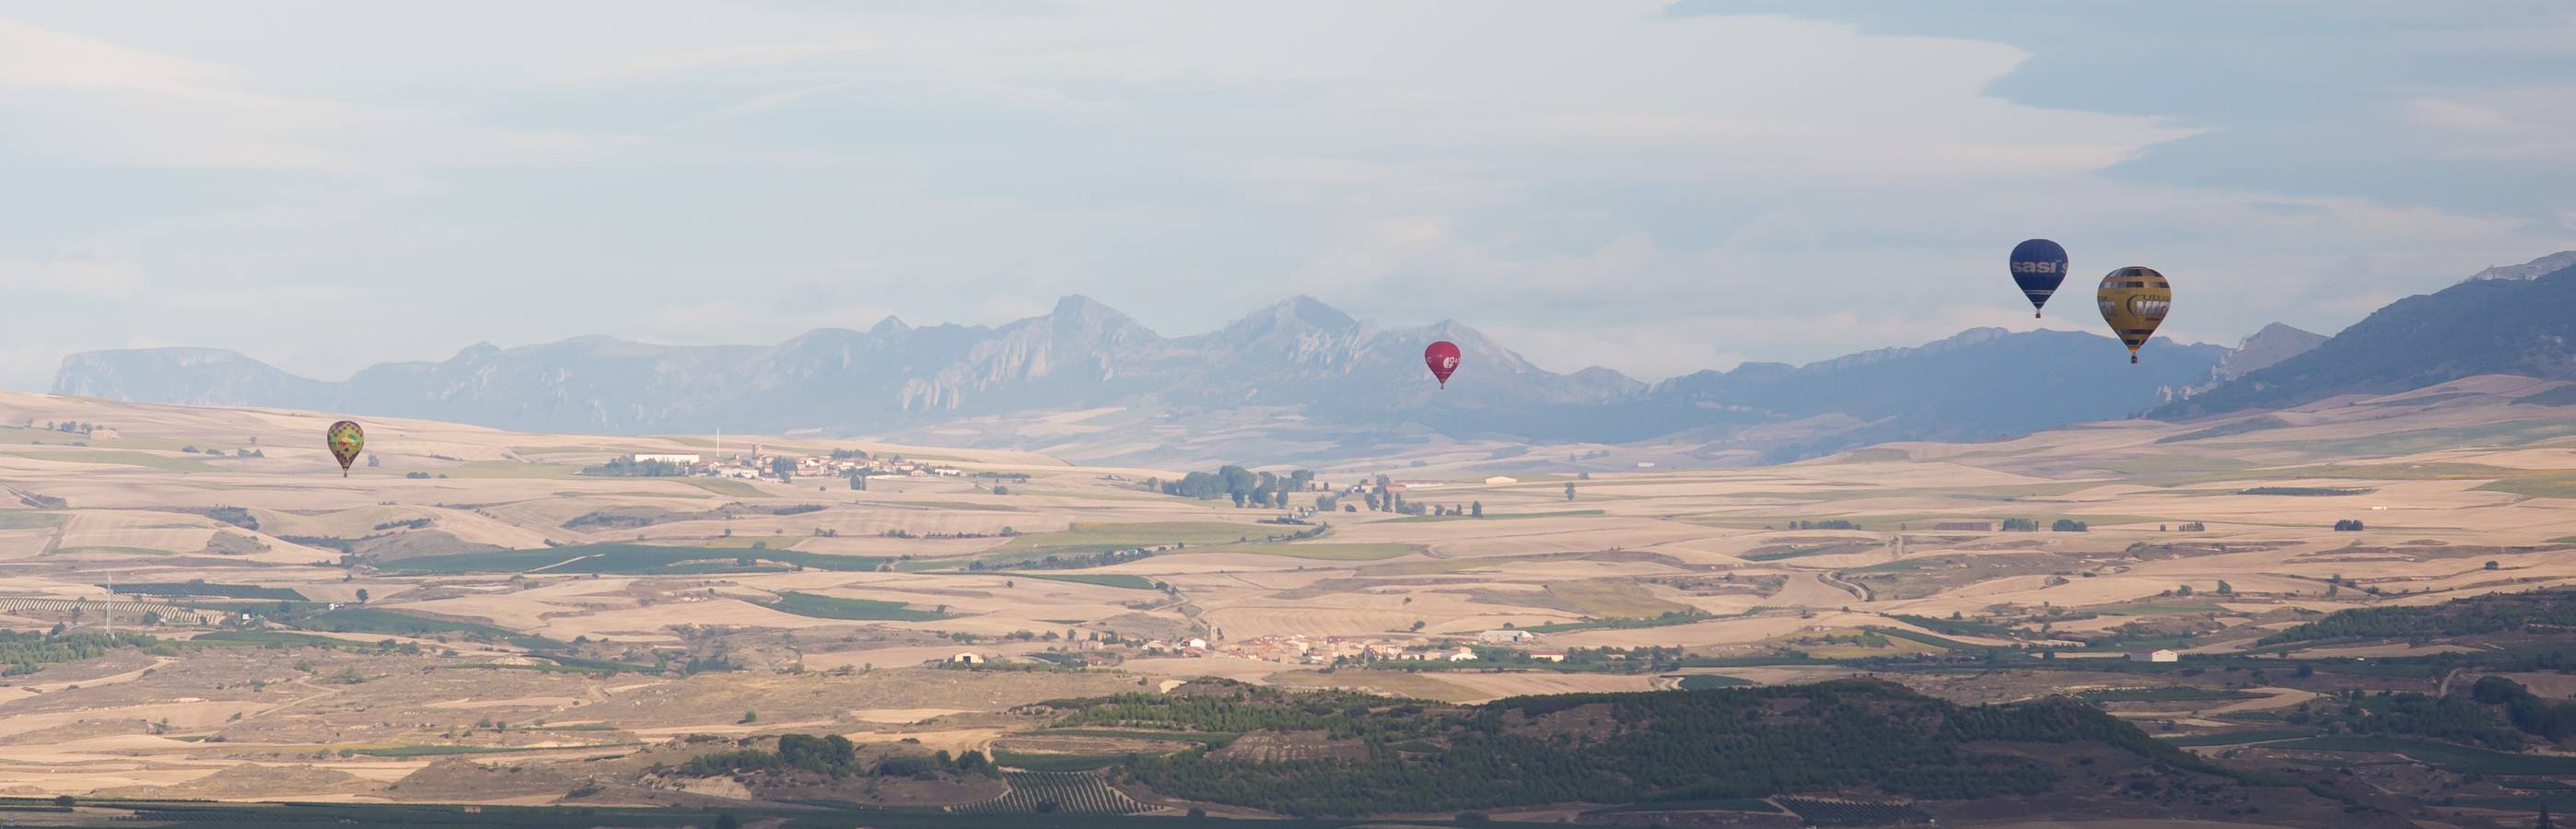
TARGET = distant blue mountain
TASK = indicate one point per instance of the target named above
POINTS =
(1341, 376)
(2503, 321)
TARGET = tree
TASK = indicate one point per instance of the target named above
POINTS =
(784, 467)
(2225, 589)
(2184, 590)
(749, 717)
(858, 482)
(2491, 565)
(1476, 509)
(362, 595)
(1569, 490)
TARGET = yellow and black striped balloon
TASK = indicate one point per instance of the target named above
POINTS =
(2134, 301)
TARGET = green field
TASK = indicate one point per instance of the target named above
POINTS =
(199, 588)
(2536, 486)
(626, 559)
(378, 620)
(1616, 599)
(1089, 537)
(1703, 682)
(2448, 757)
(25, 520)
(2231, 738)
(1802, 552)
(111, 548)
(258, 638)
(120, 457)
(1131, 582)
(819, 606)
(1621, 624)
(1913, 635)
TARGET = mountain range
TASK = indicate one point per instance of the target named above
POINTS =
(1337, 374)
(2502, 321)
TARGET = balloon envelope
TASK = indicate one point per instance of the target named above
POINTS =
(2134, 302)
(2038, 265)
(1442, 357)
(345, 441)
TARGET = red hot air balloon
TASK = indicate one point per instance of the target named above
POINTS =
(1442, 357)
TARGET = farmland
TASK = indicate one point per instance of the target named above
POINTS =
(575, 627)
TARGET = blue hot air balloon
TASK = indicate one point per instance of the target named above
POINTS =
(2038, 264)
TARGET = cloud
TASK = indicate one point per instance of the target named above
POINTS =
(1599, 182)
(2523, 124)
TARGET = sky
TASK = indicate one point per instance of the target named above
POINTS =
(1652, 186)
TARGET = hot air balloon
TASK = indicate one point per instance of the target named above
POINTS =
(345, 442)
(1442, 357)
(2134, 302)
(2038, 265)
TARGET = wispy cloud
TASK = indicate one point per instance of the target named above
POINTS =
(1597, 182)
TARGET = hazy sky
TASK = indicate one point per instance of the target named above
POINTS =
(1648, 186)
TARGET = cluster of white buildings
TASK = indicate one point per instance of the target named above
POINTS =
(1301, 650)
(761, 464)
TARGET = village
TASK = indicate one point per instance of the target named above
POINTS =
(760, 463)
(1327, 651)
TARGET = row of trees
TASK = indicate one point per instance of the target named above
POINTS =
(2451, 718)
(2062, 525)
(2547, 719)
(28, 652)
(631, 468)
(832, 755)
(2539, 609)
(1246, 487)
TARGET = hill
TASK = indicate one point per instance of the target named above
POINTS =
(1345, 754)
(2480, 326)
(2537, 611)
(1350, 382)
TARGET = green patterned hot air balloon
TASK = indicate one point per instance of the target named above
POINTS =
(345, 442)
